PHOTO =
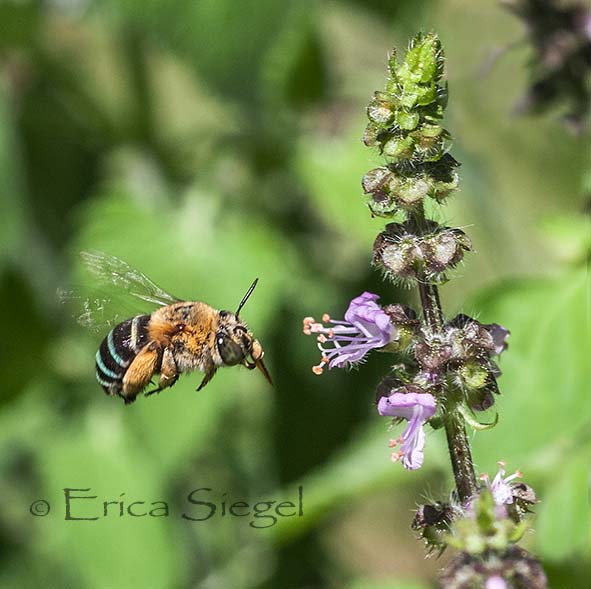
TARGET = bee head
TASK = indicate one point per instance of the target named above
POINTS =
(233, 340)
(237, 345)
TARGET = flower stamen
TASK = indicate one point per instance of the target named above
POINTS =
(345, 343)
(417, 408)
(500, 487)
(396, 456)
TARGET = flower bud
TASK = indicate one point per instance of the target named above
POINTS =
(423, 62)
(404, 123)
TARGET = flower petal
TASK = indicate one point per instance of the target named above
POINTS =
(402, 405)
(499, 335)
(413, 444)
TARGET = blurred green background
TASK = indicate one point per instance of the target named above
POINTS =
(207, 142)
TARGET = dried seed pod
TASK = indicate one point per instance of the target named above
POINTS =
(433, 522)
(472, 339)
(444, 250)
(396, 252)
(375, 179)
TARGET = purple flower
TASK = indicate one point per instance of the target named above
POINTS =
(366, 326)
(496, 582)
(416, 408)
(499, 335)
(500, 488)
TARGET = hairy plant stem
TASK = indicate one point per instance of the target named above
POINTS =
(457, 437)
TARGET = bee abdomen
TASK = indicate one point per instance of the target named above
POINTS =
(118, 350)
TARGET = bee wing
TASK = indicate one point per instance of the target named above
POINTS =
(115, 294)
(112, 271)
(95, 312)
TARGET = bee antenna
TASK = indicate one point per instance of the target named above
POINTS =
(245, 297)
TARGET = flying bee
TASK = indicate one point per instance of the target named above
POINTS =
(178, 337)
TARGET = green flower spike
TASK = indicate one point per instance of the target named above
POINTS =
(404, 124)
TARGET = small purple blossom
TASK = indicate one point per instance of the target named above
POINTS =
(416, 408)
(366, 326)
(499, 335)
(500, 487)
(496, 582)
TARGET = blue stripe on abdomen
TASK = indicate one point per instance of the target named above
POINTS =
(118, 350)
(106, 371)
(111, 346)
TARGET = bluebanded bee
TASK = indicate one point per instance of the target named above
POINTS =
(178, 337)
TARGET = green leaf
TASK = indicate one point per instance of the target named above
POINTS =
(544, 384)
(12, 190)
(544, 406)
(20, 24)
(357, 469)
(225, 44)
(331, 170)
(295, 70)
(570, 236)
(564, 524)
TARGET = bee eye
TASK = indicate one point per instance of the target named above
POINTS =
(229, 350)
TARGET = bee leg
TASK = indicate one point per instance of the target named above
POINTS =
(148, 393)
(168, 372)
(168, 384)
(208, 376)
(140, 371)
